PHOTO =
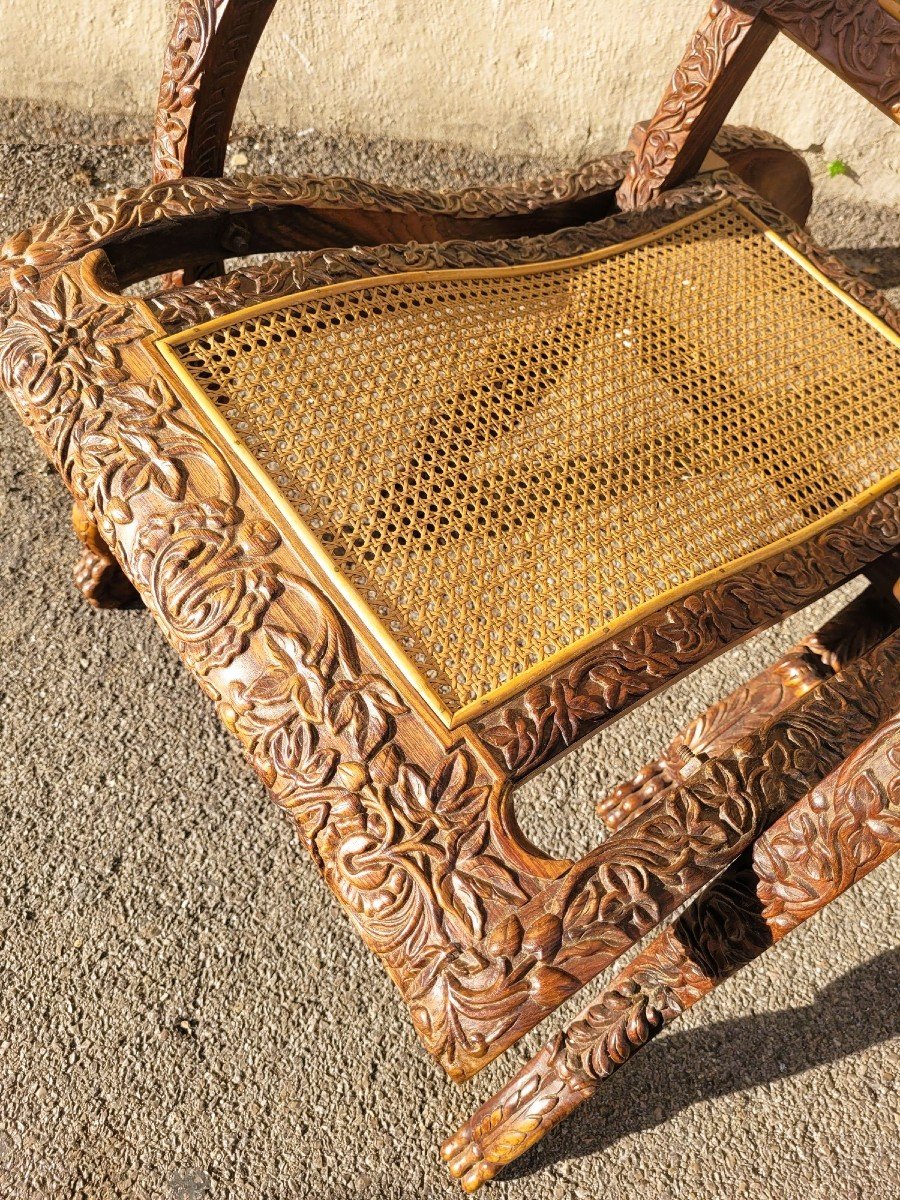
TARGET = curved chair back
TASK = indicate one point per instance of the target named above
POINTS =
(213, 42)
(858, 39)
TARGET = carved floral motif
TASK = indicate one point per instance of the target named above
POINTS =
(857, 38)
(823, 845)
(408, 831)
(663, 141)
(408, 824)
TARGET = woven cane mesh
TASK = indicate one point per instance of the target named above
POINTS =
(503, 465)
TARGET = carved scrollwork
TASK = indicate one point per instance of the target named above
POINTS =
(828, 841)
(65, 389)
(210, 579)
(106, 222)
(859, 39)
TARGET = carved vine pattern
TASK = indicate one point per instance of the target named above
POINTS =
(182, 75)
(178, 308)
(855, 630)
(568, 705)
(183, 307)
(408, 828)
(827, 842)
(856, 38)
(658, 144)
(93, 224)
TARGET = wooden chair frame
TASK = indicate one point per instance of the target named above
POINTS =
(411, 822)
(210, 51)
(66, 328)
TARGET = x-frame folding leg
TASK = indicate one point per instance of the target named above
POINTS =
(835, 836)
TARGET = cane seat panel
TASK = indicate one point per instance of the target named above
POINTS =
(499, 466)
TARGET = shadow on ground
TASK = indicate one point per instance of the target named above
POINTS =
(856, 1011)
(880, 265)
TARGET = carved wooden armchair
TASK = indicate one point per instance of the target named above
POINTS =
(428, 503)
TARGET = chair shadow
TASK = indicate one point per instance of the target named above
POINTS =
(858, 1010)
(878, 265)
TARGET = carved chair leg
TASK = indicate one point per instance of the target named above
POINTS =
(97, 575)
(829, 840)
(855, 629)
(587, 917)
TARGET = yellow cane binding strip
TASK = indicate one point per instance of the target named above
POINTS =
(498, 468)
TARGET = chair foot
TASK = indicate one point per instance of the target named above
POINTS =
(97, 574)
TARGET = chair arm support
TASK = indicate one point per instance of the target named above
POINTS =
(210, 49)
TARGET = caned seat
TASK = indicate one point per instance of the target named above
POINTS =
(500, 467)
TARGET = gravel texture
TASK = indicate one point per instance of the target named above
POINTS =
(185, 1012)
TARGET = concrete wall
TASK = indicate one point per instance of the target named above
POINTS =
(567, 77)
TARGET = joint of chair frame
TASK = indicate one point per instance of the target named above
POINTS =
(858, 627)
(820, 847)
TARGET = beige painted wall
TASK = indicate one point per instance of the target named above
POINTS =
(564, 76)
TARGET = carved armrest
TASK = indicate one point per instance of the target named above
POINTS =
(146, 231)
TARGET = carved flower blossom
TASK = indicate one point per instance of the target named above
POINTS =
(627, 896)
(83, 337)
(877, 820)
(360, 711)
(62, 353)
(210, 577)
